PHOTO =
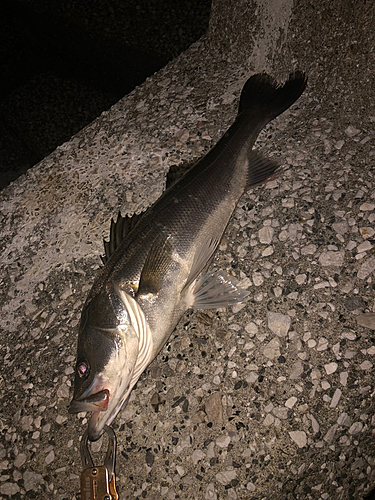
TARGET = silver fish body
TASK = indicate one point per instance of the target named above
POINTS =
(157, 269)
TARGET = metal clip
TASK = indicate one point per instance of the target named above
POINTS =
(98, 482)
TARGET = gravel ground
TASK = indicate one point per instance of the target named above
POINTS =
(270, 398)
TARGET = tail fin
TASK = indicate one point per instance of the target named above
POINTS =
(261, 92)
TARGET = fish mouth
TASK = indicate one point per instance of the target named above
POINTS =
(96, 403)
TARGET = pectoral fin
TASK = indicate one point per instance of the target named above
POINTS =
(215, 289)
(158, 261)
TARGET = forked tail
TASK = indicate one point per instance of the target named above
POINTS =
(262, 93)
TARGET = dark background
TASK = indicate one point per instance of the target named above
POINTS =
(63, 62)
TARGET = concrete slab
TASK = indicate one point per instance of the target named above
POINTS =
(273, 398)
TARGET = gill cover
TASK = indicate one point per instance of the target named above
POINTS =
(114, 347)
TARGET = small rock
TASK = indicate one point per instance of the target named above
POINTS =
(20, 460)
(269, 419)
(364, 247)
(281, 412)
(210, 492)
(197, 455)
(366, 365)
(367, 320)
(223, 441)
(330, 368)
(367, 207)
(266, 234)
(226, 476)
(332, 258)
(355, 428)
(351, 131)
(299, 437)
(367, 232)
(335, 398)
(149, 458)
(278, 323)
(31, 479)
(328, 438)
(344, 420)
(272, 349)
(50, 457)
(214, 408)
(339, 144)
(367, 268)
(297, 370)
(289, 403)
(314, 424)
(309, 249)
(9, 489)
(257, 278)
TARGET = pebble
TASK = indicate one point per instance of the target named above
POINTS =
(355, 428)
(335, 398)
(330, 368)
(366, 269)
(272, 349)
(289, 403)
(314, 424)
(328, 438)
(265, 235)
(299, 437)
(226, 476)
(296, 371)
(332, 258)
(210, 492)
(366, 320)
(351, 131)
(20, 460)
(278, 323)
(366, 365)
(31, 479)
(223, 441)
(214, 408)
(9, 489)
(367, 207)
(197, 455)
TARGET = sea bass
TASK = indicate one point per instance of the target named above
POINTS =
(156, 264)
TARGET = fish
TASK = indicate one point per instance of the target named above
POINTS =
(156, 264)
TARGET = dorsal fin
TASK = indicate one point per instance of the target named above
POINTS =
(118, 232)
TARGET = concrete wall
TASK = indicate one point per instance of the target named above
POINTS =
(244, 403)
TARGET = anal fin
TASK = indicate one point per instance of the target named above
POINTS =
(259, 169)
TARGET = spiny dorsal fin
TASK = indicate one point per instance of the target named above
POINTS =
(118, 232)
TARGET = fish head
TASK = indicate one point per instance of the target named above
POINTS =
(107, 353)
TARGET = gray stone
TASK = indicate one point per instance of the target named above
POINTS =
(278, 323)
(299, 437)
(272, 349)
(332, 258)
(366, 268)
(367, 320)
(226, 476)
(214, 408)
(31, 480)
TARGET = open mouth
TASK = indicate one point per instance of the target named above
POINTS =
(96, 402)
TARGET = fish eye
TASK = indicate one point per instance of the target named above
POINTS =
(82, 369)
